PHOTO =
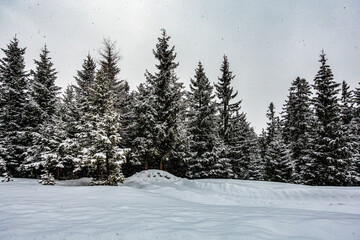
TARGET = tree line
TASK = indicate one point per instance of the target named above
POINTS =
(99, 128)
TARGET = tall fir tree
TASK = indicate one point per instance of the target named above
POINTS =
(225, 93)
(350, 130)
(297, 119)
(109, 62)
(202, 129)
(169, 133)
(44, 94)
(329, 151)
(143, 134)
(14, 105)
(104, 128)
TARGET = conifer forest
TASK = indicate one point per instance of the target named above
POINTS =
(102, 129)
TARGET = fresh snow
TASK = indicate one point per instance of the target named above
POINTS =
(157, 205)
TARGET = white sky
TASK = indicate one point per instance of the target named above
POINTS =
(268, 43)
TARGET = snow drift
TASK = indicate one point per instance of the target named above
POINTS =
(154, 204)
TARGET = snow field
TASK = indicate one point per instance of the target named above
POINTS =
(156, 205)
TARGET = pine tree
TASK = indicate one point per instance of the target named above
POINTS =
(346, 103)
(356, 136)
(84, 79)
(276, 156)
(44, 90)
(44, 94)
(226, 93)
(143, 146)
(350, 128)
(278, 165)
(70, 161)
(330, 153)
(169, 134)
(297, 117)
(242, 151)
(110, 58)
(104, 143)
(204, 140)
(14, 105)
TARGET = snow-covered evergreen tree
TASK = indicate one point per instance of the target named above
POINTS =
(169, 136)
(143, 134)
(104, 150)
(277, 157)
(329, 149)
(108, 62)
(350, 128)
(297, 117)
(203, 133)
(14, 105)
(346, 103)
(47, 178)
(44, 95)
(225, 93)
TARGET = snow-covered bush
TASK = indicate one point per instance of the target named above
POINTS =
(47, 179)
(7, 177)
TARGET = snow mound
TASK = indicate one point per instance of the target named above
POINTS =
(75, 182)
(149, 178)
(247, 193)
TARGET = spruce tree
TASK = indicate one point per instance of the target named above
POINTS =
(169, 137)
(276, 157)
(44, 90)
(104, 126)
(350, 128)
(44, 94)
(346, 103)
(84, 79)
(108, 62)
(330, 153)
(297, 117)
(143, 134)
(202, 129)
(14, 105)
(225, 94)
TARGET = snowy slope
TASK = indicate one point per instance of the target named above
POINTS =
(156, 205)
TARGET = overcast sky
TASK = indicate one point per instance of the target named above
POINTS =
(268, 43)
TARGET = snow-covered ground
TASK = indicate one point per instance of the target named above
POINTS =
(157, 205)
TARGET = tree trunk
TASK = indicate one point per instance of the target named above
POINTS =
(161, 165)
(146, 165)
